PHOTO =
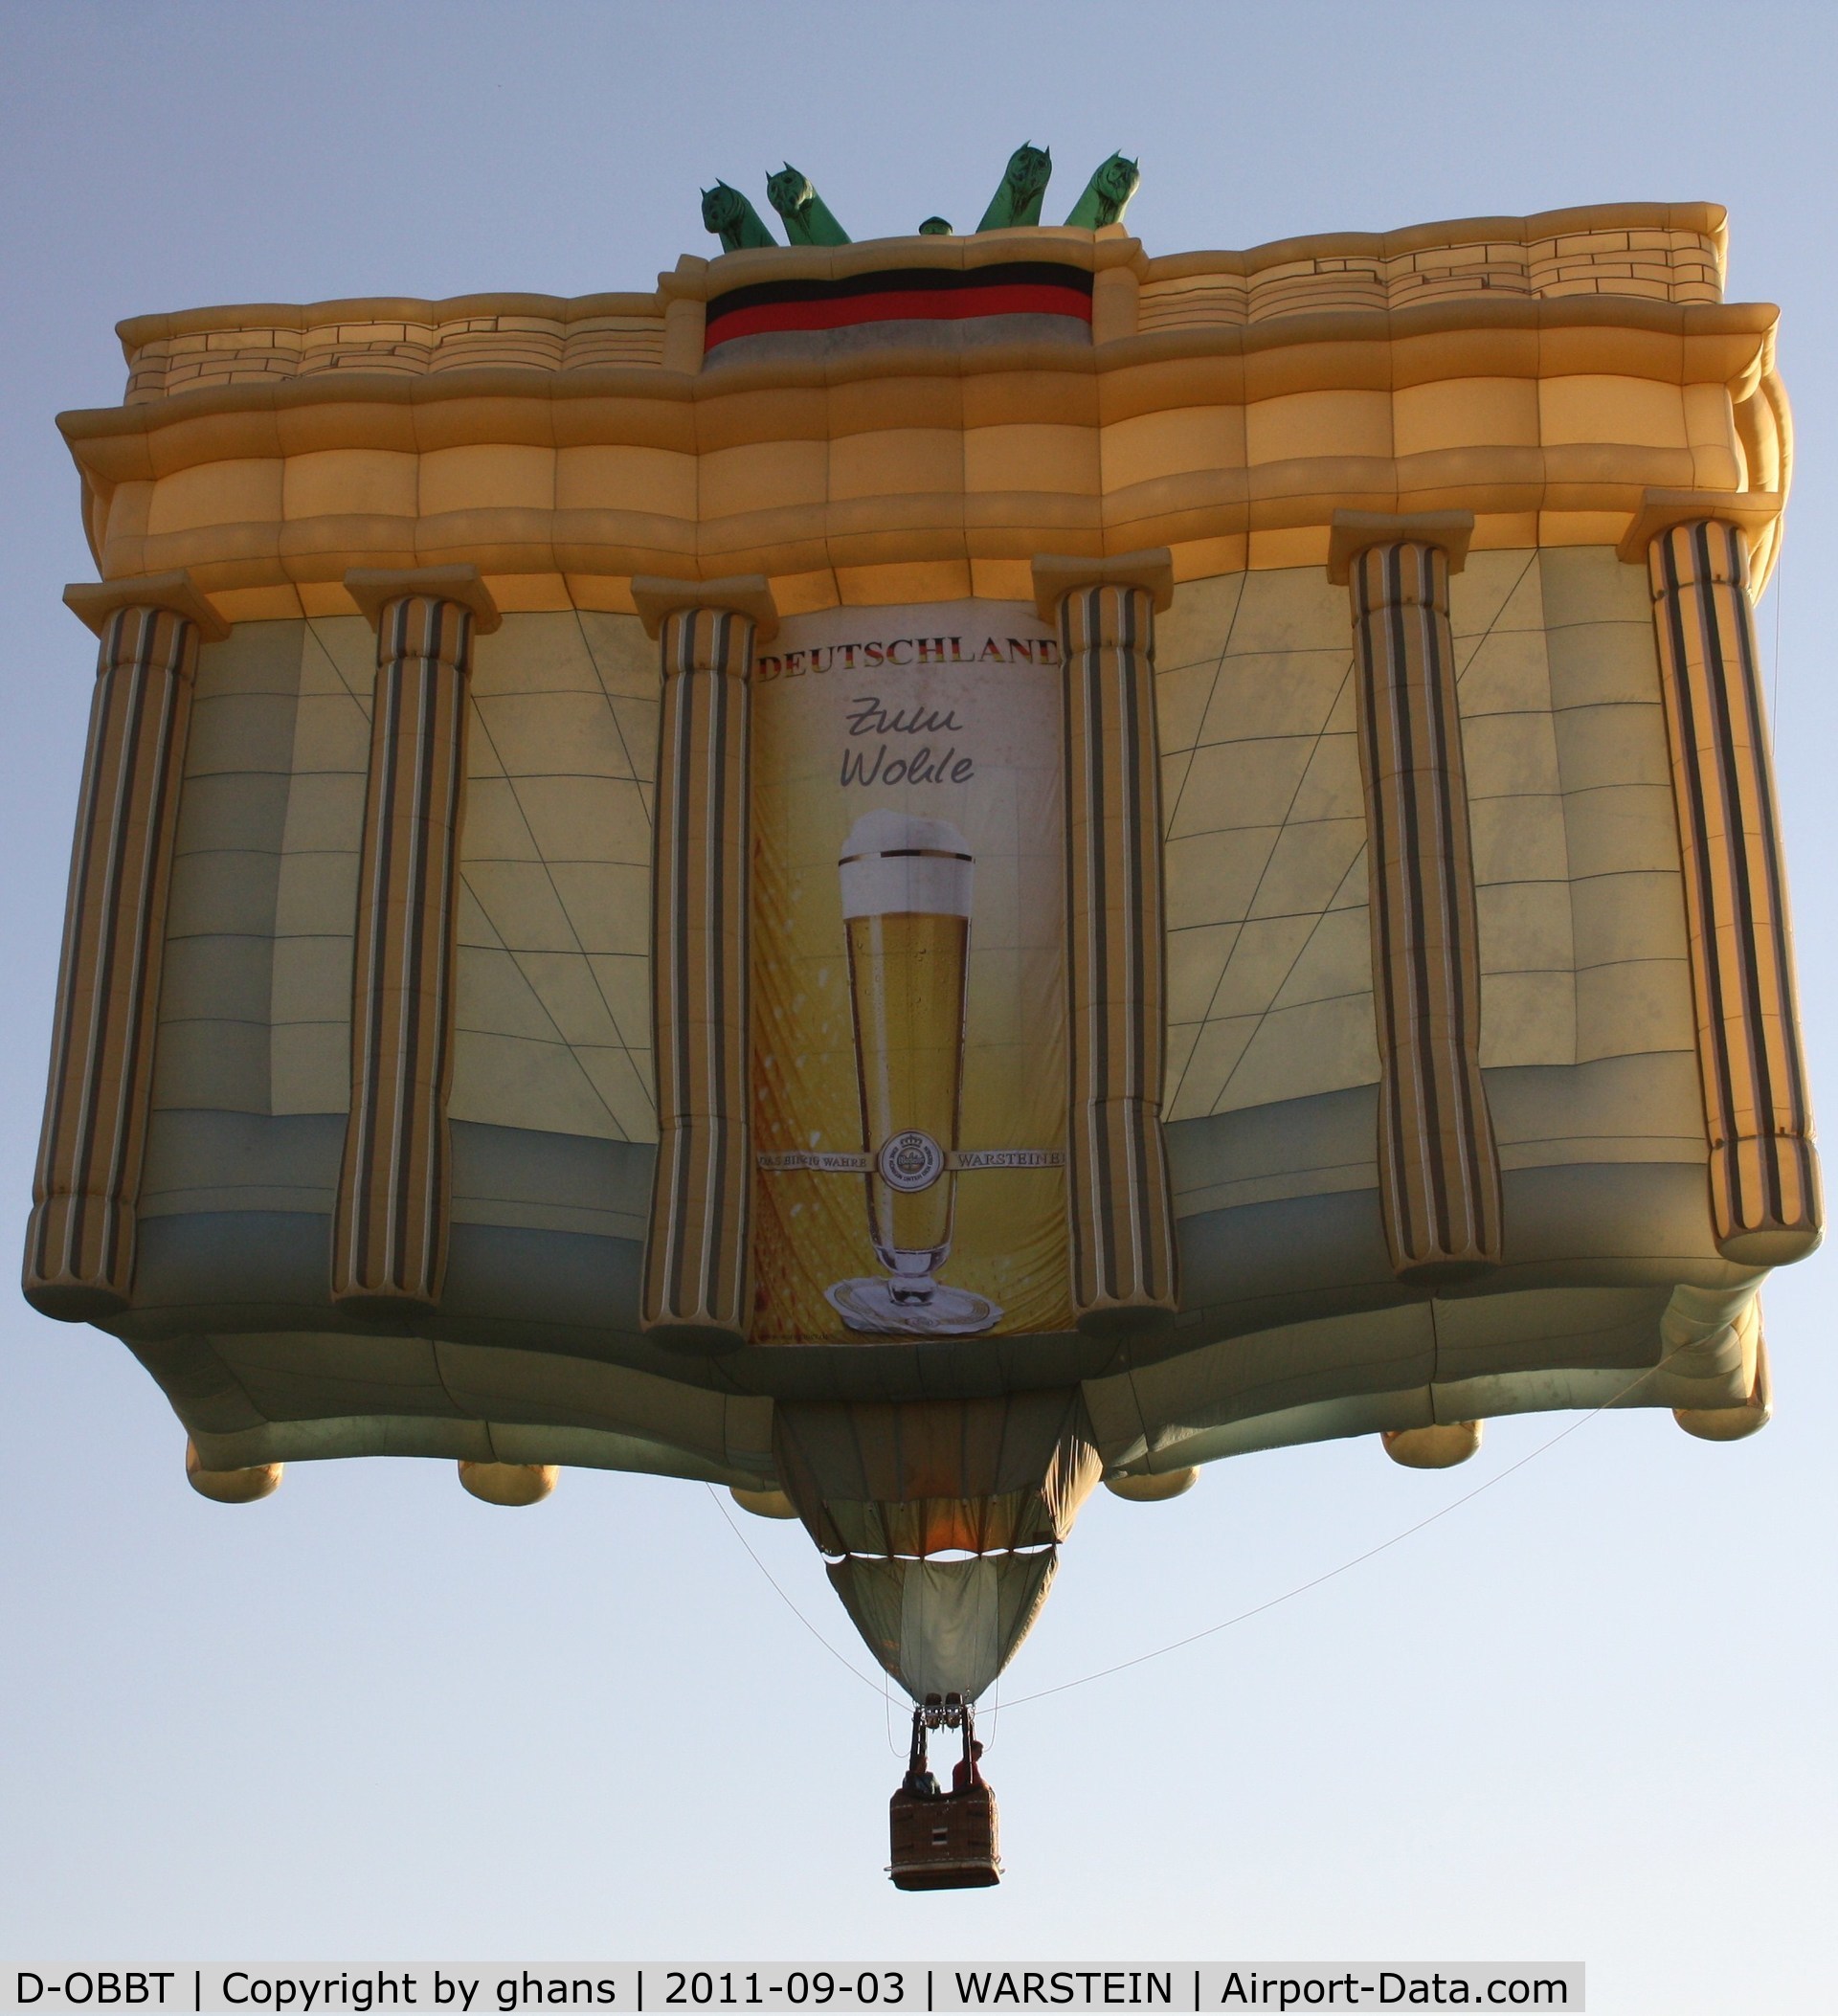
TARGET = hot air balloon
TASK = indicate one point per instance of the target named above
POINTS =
(908, 876)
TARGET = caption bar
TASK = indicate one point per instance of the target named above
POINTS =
(502, 1991)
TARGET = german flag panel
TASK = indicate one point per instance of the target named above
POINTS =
(916, 294)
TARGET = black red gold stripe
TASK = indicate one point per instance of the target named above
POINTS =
(918, 294)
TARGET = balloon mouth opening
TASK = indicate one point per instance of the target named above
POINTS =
(1029, 1551)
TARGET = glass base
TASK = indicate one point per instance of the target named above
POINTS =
(868, 1306)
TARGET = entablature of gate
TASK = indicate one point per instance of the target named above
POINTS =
(1544, 374)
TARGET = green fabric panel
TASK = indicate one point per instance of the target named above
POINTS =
(213, 1041)
(1263, 1153)
(518, 1176)
(202, 1161)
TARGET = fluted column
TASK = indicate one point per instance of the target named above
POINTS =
(79, 1247)
(698, 1260)
(1765, 1201)
(1121, 1210)
(1439, 1169)
(390, 1226)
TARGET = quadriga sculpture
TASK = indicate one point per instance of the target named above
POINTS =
(1018, 196)
(806, 218)
(729, 214)
(1107, 196)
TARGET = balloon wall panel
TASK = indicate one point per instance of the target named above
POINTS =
(1265, 842)
(549, 1181)
(205, 1161)
(554, 1016)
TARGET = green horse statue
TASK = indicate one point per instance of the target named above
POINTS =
(729, 214)
(1023, 184)
(806, 216)
(1107, 196)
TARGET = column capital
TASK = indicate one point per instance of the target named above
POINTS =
(373, 587)
(93, 602)
(658, 596)
(1356, 532)
(1660, 510)
(1057, 575)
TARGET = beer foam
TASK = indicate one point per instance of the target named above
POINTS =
(895, 863)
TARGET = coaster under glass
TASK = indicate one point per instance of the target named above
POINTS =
(867, 1304)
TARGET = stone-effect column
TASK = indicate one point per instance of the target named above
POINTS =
(79, 1247)
(1765, 1201)
(1121, 1209)
(1439, 1170)
(698, 1258)
(389, 1227)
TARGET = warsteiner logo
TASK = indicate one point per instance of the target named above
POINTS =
(910, 1161)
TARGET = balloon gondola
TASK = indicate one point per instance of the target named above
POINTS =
(943, 1838)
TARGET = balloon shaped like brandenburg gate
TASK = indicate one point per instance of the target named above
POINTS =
(907, 875)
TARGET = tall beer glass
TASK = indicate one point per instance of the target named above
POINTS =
(906, 906)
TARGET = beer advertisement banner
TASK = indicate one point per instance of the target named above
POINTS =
(909, 1059)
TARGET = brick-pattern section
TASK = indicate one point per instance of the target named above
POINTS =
(193, 362)
(1653, 265)
(1657, 265)
(613, 339)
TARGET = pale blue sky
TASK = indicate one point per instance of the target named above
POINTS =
(1587, 1716)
